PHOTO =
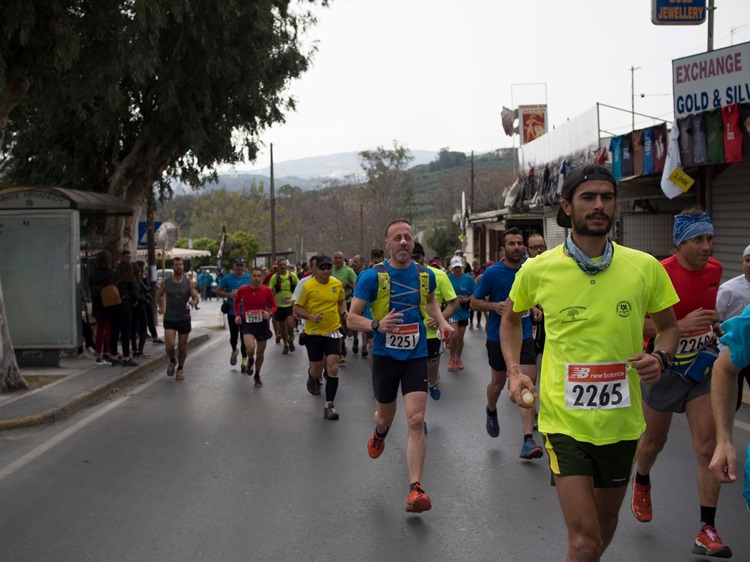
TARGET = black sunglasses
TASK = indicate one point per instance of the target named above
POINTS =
(325, 266)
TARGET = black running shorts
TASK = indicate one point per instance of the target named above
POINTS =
(282, 313)
(495, 354)
(180, 326)
(259, 330)
(608, 465)
(388, 374)
(319, 347)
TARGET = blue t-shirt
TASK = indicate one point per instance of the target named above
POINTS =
(405, 298)
(737, 338)
(229, 283)
(648, 151)
(366, 312)
(496, 283)
(464, 287)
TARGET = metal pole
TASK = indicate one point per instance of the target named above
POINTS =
(273, 213)
(632, 98)
(709, 192)
(471, 183)
(711, 9)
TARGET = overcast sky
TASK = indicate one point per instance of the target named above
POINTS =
(436, 73)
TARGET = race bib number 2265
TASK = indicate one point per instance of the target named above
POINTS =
(596, 386)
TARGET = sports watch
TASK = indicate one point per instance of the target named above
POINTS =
(375, 325)
(666, 359)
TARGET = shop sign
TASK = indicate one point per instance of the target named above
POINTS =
(711, 80)
(678, 12)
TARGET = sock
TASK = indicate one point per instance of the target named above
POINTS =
(491, 413)
(413, 485)
(382, 435)
(332, 384)
(527, 437)
(708, 516)
(643, 480)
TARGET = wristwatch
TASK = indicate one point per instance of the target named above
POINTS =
(375, 325)
(666, 359)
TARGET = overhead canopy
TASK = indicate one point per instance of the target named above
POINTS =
(87, 202)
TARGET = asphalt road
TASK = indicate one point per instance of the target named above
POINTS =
(215, 469)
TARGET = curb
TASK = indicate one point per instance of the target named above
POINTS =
(83, 399)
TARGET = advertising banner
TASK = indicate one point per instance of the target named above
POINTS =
(532, 122)
(678, 12)
(710, 80)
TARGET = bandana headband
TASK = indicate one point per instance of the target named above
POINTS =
(689, 226)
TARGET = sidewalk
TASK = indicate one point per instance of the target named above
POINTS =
(84, 382)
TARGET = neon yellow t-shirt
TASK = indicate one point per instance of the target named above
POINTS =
(593, 323)
(319, 298)
(284, 295)
(444, 292)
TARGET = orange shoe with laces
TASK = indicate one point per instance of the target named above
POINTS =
(640, 504)
(376, 444)
(418, 501)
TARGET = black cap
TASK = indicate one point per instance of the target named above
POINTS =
(587, 172)
(418, 249)
(323, 260)
(239, 261)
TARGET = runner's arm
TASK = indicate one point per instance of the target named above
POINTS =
(723, 400)
(648, 365)
(355, 321)
(486, 306)
(433, 310)
(511, 338)
(194, 293)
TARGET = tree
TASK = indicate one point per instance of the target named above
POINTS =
(161, 91)
(389, 188)
(444, 238)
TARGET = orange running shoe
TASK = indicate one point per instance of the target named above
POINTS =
(418, 501)
(709, 543)
(459, 365)
(640, 504)
(376, 444)
(451, 364)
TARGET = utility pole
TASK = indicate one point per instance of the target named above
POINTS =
(711, 25)
(632, 96)
(273, 213)
(471, 183)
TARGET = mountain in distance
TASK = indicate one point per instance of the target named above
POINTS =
(305, 173)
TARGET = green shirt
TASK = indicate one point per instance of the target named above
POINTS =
(347, 276)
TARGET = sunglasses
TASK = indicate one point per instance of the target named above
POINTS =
(325, 266)
(538, 247)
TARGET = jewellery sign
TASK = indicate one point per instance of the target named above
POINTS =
(678, 12)
(711, 80)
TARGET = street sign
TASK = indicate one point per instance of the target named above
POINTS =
(142, 228)
(678, 12)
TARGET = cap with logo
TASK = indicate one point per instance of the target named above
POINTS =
(457, 262)
(587, 172)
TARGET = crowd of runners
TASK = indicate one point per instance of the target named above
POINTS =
(598, 344)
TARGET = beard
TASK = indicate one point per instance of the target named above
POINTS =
(580, 225)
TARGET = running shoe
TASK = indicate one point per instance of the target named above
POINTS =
(243, 367)
(471, 326)
(364, 352)
(376, 444)
(278, 339)
(434, 391)
(451, 364)
(180, 376)
(341, 360)
(291, 346)
(129, 363)
(103, 361)
(170, 369)
(708, 543)
(329, 412)
(233, 357)
(531, 450)
(459, 365)
(312, 385)
(258, 382)
(355, 347)
(493, 426)
(286, 350)
(640, 504)
(249, 369)
(418, 501)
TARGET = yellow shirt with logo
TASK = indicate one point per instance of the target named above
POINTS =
(444, 292)
(324, 299)
(589, 320)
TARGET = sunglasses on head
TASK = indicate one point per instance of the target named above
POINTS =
(325, 266)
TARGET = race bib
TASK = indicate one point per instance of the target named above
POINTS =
(692, 343)
(253, 316)
(285, 301)
(596, 386)
(405, 336)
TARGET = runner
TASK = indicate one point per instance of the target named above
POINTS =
(446, 300)
(348, 279)
(476, 272)
(495, 284)
(283, 283)
(686, 386)
(464, 286)
(358, 266)
(178, 290)
(400, 293)
(253, 307)
(595, 295)
(227, 289)
(733, 297)
(322, 305)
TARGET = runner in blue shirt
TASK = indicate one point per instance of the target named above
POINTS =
(464, 286)
(227, 289)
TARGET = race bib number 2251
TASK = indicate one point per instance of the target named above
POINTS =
(405, 336)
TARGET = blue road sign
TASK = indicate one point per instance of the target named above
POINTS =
(678, 12)
(142, 227)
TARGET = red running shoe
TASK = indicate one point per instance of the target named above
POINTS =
(708, 543)
(376, 444)
(418, 501)
(640, 504)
